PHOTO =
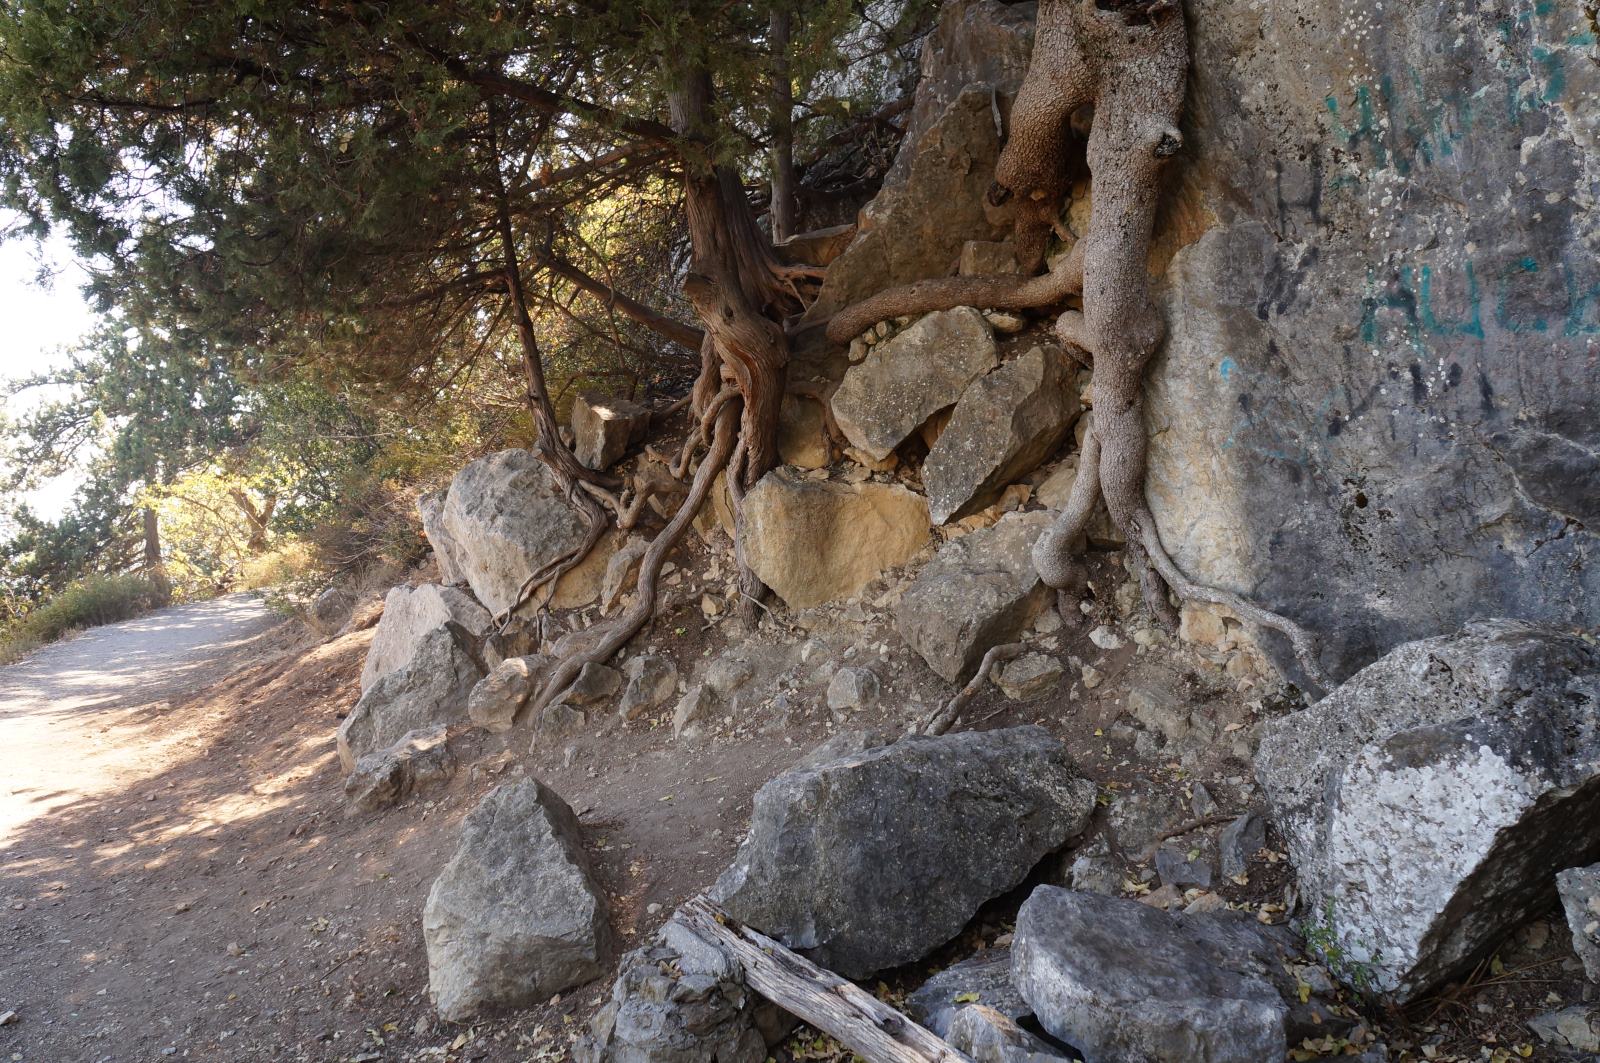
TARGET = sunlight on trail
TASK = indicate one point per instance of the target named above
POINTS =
(73, 716)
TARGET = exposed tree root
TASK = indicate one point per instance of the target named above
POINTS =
(946, 715)
(1128, 60)
(1001, 292)
(1306, 646)
(616, 633)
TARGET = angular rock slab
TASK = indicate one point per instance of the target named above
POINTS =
(604, 427)
(987, 1036)
(498, 697)
(1429, 800)
(979, 591)
(875, 859)
(817, 541)
(984, 978)
(1125, 983)
(515, 916)
(910, 377)
(508, 519)
(1580, 899)
(431, 689)
(932, 200)
(420, 760)
(431, 508)
(409, 614)
(1005, 424)
(681, 999)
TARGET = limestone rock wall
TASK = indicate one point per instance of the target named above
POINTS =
(1379, 407)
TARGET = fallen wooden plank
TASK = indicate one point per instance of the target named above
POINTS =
(836, 1006)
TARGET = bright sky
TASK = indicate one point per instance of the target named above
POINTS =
(42, 321)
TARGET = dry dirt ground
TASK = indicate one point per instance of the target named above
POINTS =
(181, 880)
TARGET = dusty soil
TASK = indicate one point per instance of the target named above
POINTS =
(182, 879)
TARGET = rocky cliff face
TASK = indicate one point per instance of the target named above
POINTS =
(1377, 407)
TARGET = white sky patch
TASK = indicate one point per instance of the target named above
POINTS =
(44, 322)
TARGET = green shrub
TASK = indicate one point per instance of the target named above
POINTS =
(91, 601)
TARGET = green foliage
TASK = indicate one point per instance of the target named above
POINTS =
(89, 602)
(1322, 939)
(292, 212)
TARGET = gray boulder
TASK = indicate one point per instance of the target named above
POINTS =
(1379, 359)
(1429, 800)
(409, 614)
(652, 680)
(420, 760)
(604, 427)
(1125, 983)
(1005, 424)
(910, 377)
(984, 978)
(508, 519)
(681, 999)
(1580, 899)
(692, 710)
(445, 551)
(596, 683)
(515, 916)
(987, 1036)
(874, 859)
(431, 689)
(853, 689)
(330, 609)
(1576, 1028)
(498, 697)
(1240, 841)
(978, 591)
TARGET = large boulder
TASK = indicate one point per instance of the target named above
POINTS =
(681, 999)
(1123, 982)
(932, 200)
(604, 427)
(508, 519)
(910, 377)
(515, 916)
(430, 689)
(1380, 365)
(409, 615)
(1005, 425)
(445, 551)
(815, 541)
(1430, 800)
(873, 860)
(979, 591)
(499, 696)
(420, 760)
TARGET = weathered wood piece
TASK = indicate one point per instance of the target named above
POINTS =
(834, 1005)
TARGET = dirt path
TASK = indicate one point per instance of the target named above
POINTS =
(180, 879)
(72, 716)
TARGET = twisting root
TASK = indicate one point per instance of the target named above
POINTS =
(945, 717)
(1007, 292)
(595, 523)
(1306, 646)
(616, 633)
(701, 433)
(751, 589)
(1129, 60)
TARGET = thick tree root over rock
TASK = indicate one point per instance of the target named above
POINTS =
(1128, 62)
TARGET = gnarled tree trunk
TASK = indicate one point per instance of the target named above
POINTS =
(1128, 60)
